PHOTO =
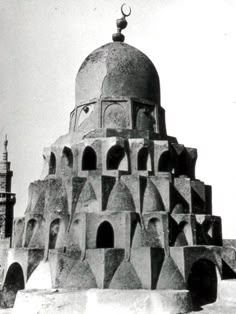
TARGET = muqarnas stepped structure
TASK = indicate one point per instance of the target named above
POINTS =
(118, 206)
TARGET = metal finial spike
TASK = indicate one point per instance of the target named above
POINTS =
(121, 24)
(5, 142)
(5, 154)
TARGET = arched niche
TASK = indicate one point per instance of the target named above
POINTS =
(75, 233)
(181, 165)
(144, 118)
(143, 160)
(115, 117)
(153, 228)
(89, 159)
(31, 228)
(54, 231)
(116, 158)
(105, 236)
(52, 164)
(14, 281)
(202, 283)
(165, 163)
(18, 233)
(67, 160)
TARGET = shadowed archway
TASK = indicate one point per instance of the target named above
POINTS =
(89, 159)
(165, 163)
(14, 281)
(114, 157)
(202, 283)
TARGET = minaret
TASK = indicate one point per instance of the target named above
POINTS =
(7, 199)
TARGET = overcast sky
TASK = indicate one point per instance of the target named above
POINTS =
(192, 44)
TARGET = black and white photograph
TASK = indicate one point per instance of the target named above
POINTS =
(117, 130)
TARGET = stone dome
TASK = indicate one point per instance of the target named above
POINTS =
(117, 69)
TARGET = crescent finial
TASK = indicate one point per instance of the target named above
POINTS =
(122, 23)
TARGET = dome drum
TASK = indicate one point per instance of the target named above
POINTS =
(128, 113)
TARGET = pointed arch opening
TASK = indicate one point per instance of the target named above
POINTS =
(54, 232)
(67, 160)
(14, 281)
(115, 156)
(89, 159)
(165, 162)
(30, 231)
(202, 283)
(105, 235)
(52, 164)
(143, 162)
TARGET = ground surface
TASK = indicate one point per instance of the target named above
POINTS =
(216, 308)
(222, 307)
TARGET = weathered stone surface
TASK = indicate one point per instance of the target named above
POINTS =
(170, 276)
(227, 290)
(117, 69)
(102, 301)
(41, 277)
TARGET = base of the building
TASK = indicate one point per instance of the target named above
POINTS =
(96, 301)
(227, 290)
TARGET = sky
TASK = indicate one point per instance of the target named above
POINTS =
(192, 43)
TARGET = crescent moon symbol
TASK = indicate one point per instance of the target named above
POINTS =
(122, 11)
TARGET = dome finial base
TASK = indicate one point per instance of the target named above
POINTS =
(121, 24)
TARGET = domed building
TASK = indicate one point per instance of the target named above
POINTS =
(118, 205)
